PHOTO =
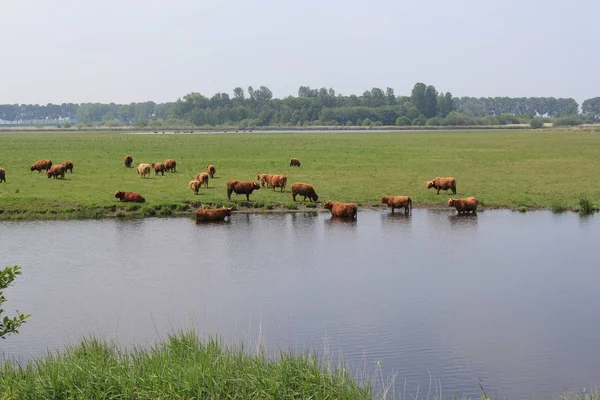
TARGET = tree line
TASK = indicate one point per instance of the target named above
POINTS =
(257, 107)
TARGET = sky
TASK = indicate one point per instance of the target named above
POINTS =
(125, 51)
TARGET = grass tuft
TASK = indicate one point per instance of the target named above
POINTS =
(558, 208)
(586, 207)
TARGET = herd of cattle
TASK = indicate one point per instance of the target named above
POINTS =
(337, 209)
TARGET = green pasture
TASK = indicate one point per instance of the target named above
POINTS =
(513, 169)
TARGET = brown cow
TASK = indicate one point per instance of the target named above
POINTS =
(40, 165)
(442, 183)
(129, 197)
(56, 170)
(202, 177)
(397, 202)
(262, 178)
(465, 205)
(170, 165)
(68, 166)
(279, 181)
(238, 187)
(211, 170)
(2, 175)
(159, 167)
(143, 170)
(218, 214)
(345, 210)
(294, 162)
(128, 161)
(195, 186)
(304, 189)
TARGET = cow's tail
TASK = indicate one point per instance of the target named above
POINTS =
(410, 204)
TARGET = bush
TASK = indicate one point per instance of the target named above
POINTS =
(367, 122)
(435, 121)
(567, 121)
(537, 123)
(9, 325)
(402, 121)
(421, 120)
(67, 125)
(349, 123)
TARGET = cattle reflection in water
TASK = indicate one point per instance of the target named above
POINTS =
(466, 220)
(341, 221)
(397, 217)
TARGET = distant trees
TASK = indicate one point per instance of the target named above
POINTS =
(311, 106)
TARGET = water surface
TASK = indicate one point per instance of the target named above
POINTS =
(507, 298)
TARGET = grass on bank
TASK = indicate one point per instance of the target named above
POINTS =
(183, 367)
(514, 169)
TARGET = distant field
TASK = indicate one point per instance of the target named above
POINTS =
(512, 169)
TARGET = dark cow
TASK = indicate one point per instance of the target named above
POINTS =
(305, 190)
(238, 187)
(211, 170)
(128, 161)
(129, 197)
(294, 162)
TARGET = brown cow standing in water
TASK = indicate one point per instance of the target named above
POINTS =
(448, 183)
(218, 214)
(465, 205)
(344, 210)
(397, 202)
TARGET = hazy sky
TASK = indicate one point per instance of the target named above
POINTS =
(129, 51)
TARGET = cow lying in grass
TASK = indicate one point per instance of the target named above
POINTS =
(129, 197)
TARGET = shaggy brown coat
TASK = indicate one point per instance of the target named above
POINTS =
(279, 181)
(68, 165)
(195, 186)
(238, 187)
(202, 177)
(170, 165)
(40, 165)
(217, 214)
(467, 204)
(345, 210)
(56, 170)
(211, 170)
(128, 161)
(262, 178)
(2, 175)
(304, 189)
(143, 170)
(397, 202)
(443, 184)
(129, 197)
(294, 162)
(159, 167)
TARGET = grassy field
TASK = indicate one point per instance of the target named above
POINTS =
(513, 169)
(183, 367)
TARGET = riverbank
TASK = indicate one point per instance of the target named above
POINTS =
(519, 170)
(182, 367)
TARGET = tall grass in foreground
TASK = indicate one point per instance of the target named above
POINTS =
(183, 367)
